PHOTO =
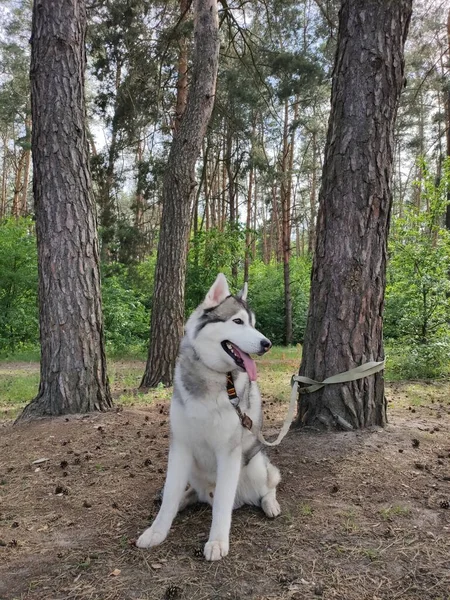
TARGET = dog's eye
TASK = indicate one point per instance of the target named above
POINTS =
(238, 321)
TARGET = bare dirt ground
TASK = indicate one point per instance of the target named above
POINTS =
(364, 514)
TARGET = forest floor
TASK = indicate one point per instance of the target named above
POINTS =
(363, 514)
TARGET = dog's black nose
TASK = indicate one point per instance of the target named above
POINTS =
(266, 345)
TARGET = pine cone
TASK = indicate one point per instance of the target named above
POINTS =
(172, 592)
(445, 504)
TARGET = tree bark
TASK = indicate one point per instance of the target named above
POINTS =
(447, 122)
(344, 326)
(73, 365)
(179, 183)
(5, 170)
(15, 211)
(312, 222)
(26, 174)
(182, 81)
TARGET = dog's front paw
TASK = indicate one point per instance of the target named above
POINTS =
(151, 538)
(270, 506)
(215, 550)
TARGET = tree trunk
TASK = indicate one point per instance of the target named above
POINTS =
(248, 224)
(5, 170)
(285, 196)
(107, 192)
(179, 183)
(447, 121)
(182, 82)
(26, 173)
(73, 365)
(15, 211)
(344, 326)
(312, 222)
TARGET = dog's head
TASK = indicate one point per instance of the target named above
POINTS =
(222, 330)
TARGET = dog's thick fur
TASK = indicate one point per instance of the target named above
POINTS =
(210, 450)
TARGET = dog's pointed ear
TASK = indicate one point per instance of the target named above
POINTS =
(218, 292)
(242, 295)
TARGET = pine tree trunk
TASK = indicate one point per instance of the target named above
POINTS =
(73, 365)
(15, 211)
(344, 326)
(285, 197)
(447, 122)
(5, 170)
(312, 222)
(179, 183)
(107, 193)
(26, 174)
(182, 82)
(248, 224)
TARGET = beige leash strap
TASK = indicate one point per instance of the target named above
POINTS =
(365, 370)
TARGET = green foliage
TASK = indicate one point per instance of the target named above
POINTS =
(266, 297)
(18, 285)
(418, 291)
(126, 317)
(211, 252)
(420, 361)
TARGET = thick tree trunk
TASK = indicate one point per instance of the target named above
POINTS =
(179, 183)
(344, 326)
(73, 365)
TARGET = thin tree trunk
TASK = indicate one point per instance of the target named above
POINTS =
(182, 82)
(285, 196)
(73, 364)
(447, 121)
(255, 209)
(179, 183)
(5, 169)
(106, 196)
(313, 200)
(15, 211)
(248, 224)
(26, 172)
(344, 325)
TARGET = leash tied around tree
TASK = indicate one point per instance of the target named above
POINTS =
(360, 372)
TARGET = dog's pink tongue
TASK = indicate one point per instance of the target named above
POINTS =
(249, 363)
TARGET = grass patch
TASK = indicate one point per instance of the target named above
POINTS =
(26, 355)
(16, 390)
(306, 510)
(391, 512)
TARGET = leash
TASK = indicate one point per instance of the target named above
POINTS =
(360, 372)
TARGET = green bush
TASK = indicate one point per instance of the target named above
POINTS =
(126, 317)
(19, 324)
(266, 298)
(420, 361)
(417, 313)
(211, 252)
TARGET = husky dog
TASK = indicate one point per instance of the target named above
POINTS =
(210, 449)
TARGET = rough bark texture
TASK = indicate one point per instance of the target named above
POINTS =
(182, 82)
(344, 326)
(73, 366)
(179, 184)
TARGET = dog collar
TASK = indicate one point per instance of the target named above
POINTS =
(234, 399)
